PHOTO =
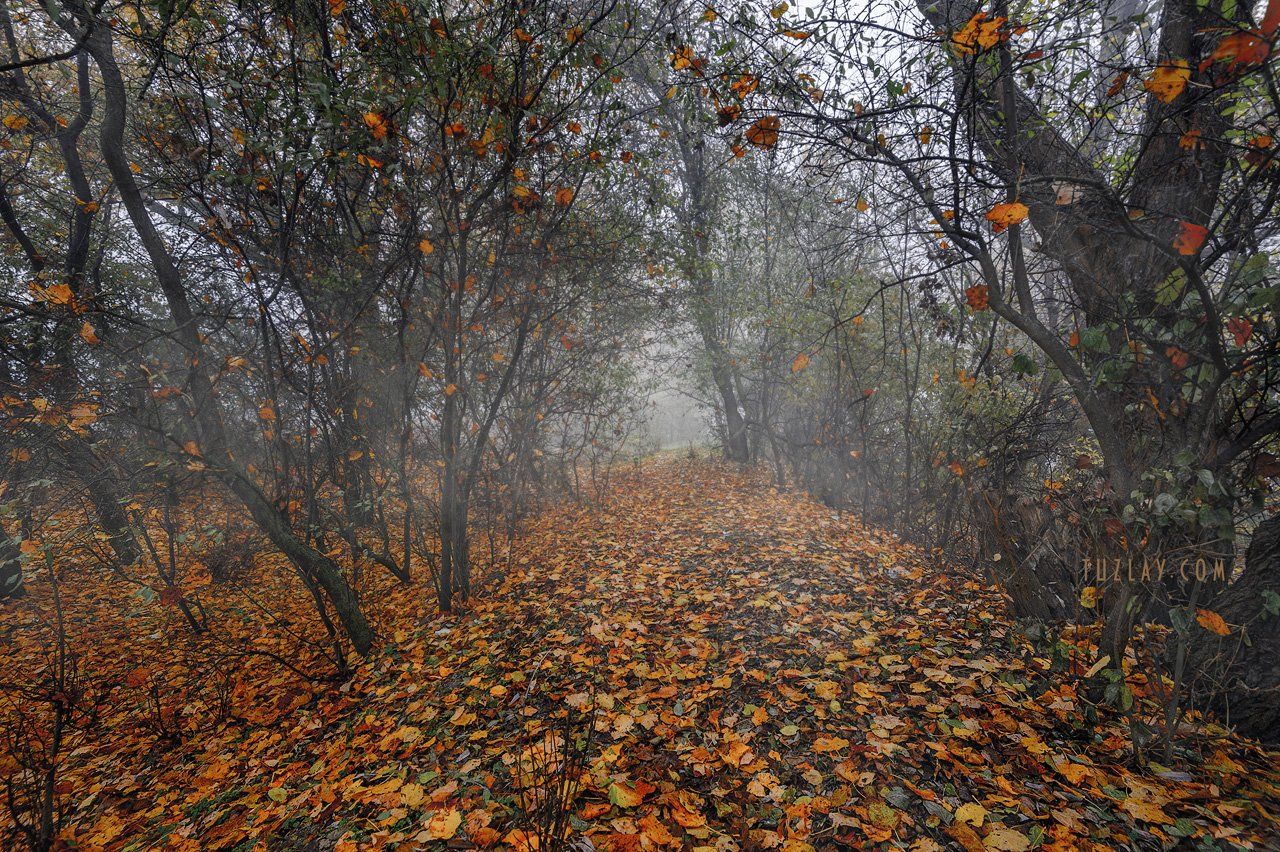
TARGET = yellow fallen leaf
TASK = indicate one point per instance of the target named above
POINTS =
(827, 690)
(1146, 811)
(1073, 772)
(411, 795)
(1007, 840)
(443, 825)
(830, 744)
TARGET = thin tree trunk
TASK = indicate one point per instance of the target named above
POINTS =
(214, 446)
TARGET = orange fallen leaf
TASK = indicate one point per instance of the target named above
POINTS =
(443, 825)
(629, 795)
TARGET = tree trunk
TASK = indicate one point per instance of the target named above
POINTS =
(105, 497)
(455, 555)
(1247, 674)
(308, 561)
(735, 426)
(10, 568)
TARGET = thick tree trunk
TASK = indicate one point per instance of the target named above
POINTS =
(696, 263)
(455, 551)
(10, 568)
(105, 496)
(311, 563)
(1018, 539)
(735, 425)
(1247, 674)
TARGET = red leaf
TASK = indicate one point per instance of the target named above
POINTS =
(1241, 329)
(978, 297)
(1190, 238)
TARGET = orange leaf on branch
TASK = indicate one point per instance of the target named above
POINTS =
(58, 294)
(1241, 329)
(1005, 214)
(764, 133)
(1190, 238)
(1211, 621)
(1247, 48)
(1168, 80)
(378, 125)
(1259, 153)
(683, 58)
(978, 297)
(744, 85)
(980, 33)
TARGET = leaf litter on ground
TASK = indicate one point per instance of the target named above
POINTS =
(765, 673)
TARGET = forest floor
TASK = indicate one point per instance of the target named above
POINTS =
(767, 674)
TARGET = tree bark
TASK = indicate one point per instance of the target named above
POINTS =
(1247, 674)
(10, 568)
(105, 497)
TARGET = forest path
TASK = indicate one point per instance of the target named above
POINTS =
(768, 675)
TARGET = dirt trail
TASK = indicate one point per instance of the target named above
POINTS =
(768, 675)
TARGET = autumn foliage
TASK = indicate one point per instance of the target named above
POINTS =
(760, 673)
(601, 425)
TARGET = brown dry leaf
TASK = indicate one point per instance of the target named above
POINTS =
(764, 132)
